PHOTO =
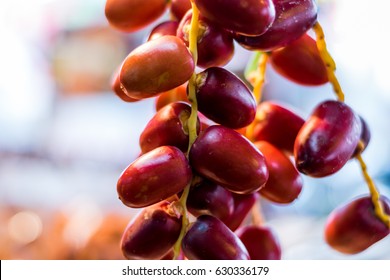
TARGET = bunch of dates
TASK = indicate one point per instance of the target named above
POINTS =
(243, 149)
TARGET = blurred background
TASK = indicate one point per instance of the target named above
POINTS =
(65, 137)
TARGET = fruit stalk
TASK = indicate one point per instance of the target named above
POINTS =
(193, 35)
(192, 123)
(331, 68)
(182, 207)
(328, 60)
(257, 81)
(379, 211)
(260, 77)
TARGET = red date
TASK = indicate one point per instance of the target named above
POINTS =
(154, 176)
(158, 65)
(327, 140)
(227, 158)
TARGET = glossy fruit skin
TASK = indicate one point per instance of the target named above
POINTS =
(293, 19)
(156, 66)
(168, 27)
(154, 176)
(205, 122)
(277, 124)
(179, 8)
(261, 242)
(248, 17)
(208, 198)
(327, 140)
(225, 157)
(168, 127)
(167, 97)
(133, 15)
(116, 88)
(352, 228)
(151, 233)
(214, 44)
(284, 183)
(210, 239)
(365, 138)
(224, 98)
(300, 62)
(243, 203)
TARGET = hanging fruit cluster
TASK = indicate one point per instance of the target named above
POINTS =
(213, 147)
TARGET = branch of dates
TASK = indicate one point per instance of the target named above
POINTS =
(331, 68)
(192, 123)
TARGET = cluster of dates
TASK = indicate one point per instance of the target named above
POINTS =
(226, 168)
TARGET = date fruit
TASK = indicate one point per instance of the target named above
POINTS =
(224, 98)
(225, 157)
(133, 15)
(151, 233)
(284, 183)
(352, 228)
(154, 176)
(156, 66)
(292, 20)
(300, 62)
(261, 242)
(248, 17)
(327, 140)
(277, 125)
(168, 127)
(210, 239)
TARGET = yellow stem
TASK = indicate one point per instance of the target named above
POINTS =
(374, 193)
(260, 77)
(193, 119)
(192, 122)
(193, 42)
(331, 68)
(328, 60)
(258, 82)
(184, 222)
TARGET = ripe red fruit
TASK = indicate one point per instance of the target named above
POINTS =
(117, 89)
(225, 157)
(248, 17)
(284, 183)
(261, 242)
(214, 45)
(179, 8)
(210, 239)
(292, 20)
(354, 227)
(224, 98)
(243, 203)
(300, 62)
(133, 15)
(154, 176)
(208, 198)
(365, 138)
(168, 127)
(277, 125)
(151, 233)
(168, 27)
(327, 140)
(177, 94)
(156, 66)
